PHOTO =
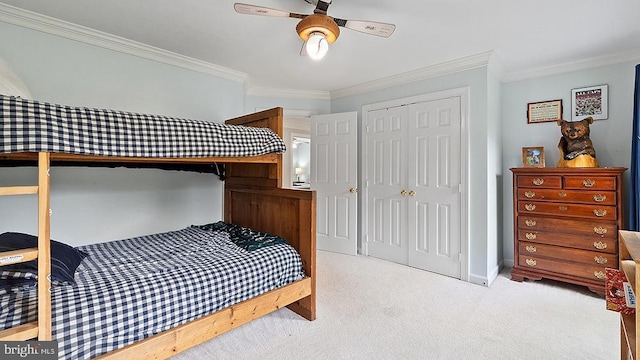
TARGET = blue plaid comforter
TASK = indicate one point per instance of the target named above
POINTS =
(128, 290)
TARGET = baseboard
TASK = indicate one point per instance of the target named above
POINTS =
(508, 263)
(478, 280)
(486, 280)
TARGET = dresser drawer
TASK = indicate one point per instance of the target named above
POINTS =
(591, 272)
(590, 182)
(568, 254)
(541, 181)
(604, 212)
(593, 243)
(586, 197)
(602, 229)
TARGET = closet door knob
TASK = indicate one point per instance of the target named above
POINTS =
(403, 192)
(412, 193)
(353, 190)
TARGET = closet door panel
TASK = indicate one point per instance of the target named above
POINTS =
(434, 134)
(386, 164)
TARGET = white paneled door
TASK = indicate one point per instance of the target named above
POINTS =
(334, 176)
(386, 186)
(413, 185)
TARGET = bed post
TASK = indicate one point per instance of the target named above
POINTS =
(267, 175)
(44, 248)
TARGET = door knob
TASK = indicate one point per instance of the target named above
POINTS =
(353, 190)
(403, 192)
(412, 193)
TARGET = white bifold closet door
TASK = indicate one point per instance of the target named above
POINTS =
(413, 185)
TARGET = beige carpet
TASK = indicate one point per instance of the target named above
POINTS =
(374, 309)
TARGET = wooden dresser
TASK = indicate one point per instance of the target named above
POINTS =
(566, 223)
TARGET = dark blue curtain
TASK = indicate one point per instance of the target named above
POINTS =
(634, 193)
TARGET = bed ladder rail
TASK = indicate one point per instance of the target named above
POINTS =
(40, 329)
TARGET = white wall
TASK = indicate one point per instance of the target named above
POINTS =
(90, 204)
(611, 137)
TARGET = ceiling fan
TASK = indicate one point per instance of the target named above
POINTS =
(318, 30)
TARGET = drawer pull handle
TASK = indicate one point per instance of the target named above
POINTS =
(599, 274)
(599, 198)
(531, 248)
(529, 207)
(530, 222)
(600, 230)
(600, 259)
(563, 208)
(529, 194)
(588, 183)
(538, 181)
(531, 236)
(531, 262)
(600, 245)
(599, 212)
(562, 194)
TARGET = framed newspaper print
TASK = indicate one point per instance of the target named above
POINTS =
(590, 101)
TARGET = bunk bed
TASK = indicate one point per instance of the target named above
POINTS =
(253, 199)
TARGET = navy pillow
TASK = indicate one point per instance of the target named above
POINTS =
(64, 259)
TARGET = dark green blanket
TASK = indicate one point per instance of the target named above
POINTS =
(244, 237)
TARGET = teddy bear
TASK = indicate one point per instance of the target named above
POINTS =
(576, 148)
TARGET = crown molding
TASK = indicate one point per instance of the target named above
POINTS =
(590, 63)
(31, 20)
(449, 67)
(289, 93)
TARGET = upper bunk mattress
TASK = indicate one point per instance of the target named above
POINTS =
(33, 126)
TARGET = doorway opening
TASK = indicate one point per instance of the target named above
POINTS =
(300, 162)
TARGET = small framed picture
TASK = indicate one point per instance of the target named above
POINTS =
(544, 111)
(533, 156)
(590, 101)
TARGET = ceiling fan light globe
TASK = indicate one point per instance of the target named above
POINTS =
(317, 46)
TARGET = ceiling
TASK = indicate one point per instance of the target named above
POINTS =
(521, 35)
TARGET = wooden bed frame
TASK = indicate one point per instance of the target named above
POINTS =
(253, 198)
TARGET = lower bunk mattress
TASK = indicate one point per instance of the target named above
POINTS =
(128, 290)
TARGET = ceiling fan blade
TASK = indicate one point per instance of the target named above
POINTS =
(248, 9)
(367, 27)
